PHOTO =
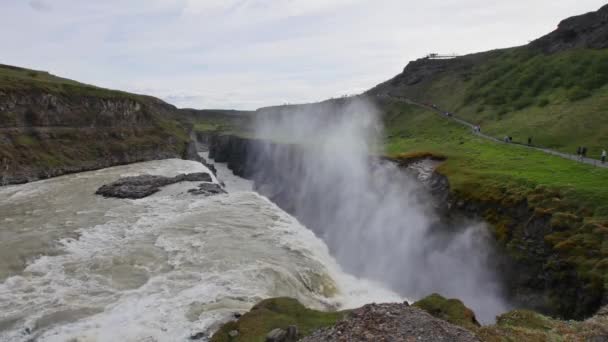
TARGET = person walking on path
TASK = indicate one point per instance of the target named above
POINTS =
(583, 153)
(603, 156)
(529, 141)
(579, 153)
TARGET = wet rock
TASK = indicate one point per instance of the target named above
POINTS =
(193, 177)
(146, 185)
(198, 336)
(208, 189)
(233, 333)
(391, 322)
(292, 333)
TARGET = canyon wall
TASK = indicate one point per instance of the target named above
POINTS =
(49, 133)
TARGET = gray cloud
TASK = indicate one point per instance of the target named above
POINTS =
(40, 5)
(234, 53)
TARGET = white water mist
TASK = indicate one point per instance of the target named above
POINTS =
(371, 214)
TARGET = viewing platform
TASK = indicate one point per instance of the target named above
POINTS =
(441, 56)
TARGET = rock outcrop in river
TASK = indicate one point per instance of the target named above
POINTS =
(145, 185)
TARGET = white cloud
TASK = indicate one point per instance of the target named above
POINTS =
(249, 53)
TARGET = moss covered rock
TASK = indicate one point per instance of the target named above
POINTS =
(451, 310)
(275, 313)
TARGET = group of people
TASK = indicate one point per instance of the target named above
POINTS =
(581, 152)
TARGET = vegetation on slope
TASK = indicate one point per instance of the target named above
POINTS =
(513, 326)
(275, 313)
(572, 196)
(559, 100)
(18, 79)
(517, 325)
(451, 310)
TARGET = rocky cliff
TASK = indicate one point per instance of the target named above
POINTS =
(50, 127)
(589, 30)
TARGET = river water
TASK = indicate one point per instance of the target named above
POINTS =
(78, 267)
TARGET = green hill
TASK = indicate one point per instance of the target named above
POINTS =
(554, 90)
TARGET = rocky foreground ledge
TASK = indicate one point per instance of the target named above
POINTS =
(433, 318)
(392, 322)
(145, 185)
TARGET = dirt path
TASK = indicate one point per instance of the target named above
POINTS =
(590, 161)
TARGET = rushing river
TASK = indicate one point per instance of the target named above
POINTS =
(78, 267)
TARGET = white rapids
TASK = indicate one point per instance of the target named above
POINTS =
(78, 267)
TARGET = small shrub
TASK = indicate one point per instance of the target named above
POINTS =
(577, 93)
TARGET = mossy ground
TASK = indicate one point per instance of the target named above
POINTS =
(451, 310)
(275, 313)
(513, 326)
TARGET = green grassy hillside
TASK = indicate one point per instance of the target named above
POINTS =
(560, 100)
(19, 79)
(554, 89)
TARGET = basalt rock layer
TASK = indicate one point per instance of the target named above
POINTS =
(51, 126)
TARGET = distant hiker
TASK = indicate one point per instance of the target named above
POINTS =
(584, 152)
(506, 139)
(529, 141)
(603, 156)
(510, 139)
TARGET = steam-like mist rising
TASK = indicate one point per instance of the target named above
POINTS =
(371, 214)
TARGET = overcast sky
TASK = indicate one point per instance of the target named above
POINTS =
(250, 53)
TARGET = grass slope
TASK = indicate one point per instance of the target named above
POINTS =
(558, 99)
(14, 78)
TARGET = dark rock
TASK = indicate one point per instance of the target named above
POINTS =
(134, 187)
(146, 185)
(198, 336)
(208, 189)
(194, 177)
(292, 333)
(584, 31)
